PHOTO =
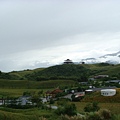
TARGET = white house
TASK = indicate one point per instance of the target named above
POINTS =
(113, 81)
(108, 92)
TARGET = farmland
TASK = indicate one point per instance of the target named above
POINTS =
(14, 84)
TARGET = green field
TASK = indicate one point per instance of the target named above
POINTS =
(15, 83)
(113, 107)
(20, 114)
(26, 84)
(36, 114)
(17, 87)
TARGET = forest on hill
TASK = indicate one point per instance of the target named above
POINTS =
(79, 72)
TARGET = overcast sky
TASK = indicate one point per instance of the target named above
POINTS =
(40, 33)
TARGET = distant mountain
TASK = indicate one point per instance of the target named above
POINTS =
(113, 58)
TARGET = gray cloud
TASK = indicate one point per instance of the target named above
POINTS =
(45, 24)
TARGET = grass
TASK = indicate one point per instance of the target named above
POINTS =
(113, 107)
(25, 84)
(97, 97)
(16, 92)
(25, 114)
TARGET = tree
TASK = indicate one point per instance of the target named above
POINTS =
(40, 93)
(36, 100)
(68, 109)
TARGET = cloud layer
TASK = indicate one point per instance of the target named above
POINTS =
(42, 33)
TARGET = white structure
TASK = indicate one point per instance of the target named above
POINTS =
(108, 92)
(88, 91)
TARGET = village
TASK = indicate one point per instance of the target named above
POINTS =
(76, 93)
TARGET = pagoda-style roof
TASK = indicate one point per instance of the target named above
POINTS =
(68, 61)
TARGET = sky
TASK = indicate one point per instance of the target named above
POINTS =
(41, 33)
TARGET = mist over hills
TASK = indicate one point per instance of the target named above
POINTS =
(107, 64)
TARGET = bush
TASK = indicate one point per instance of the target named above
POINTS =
(91, 107)
(93, 116)
(116, 117)
(102, 114)
(66, 117)
(105, 114)
(52, 101)
(69, 109)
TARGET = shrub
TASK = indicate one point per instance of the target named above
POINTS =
(66, 117)
(116, 117)
(93, 116)
(69, 109)
(105, 114)
(91, 107)
(52, 101)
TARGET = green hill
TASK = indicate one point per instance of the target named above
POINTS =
(79, 72)
(65, 71)
(97, 97)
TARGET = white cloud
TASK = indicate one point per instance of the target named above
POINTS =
(75, 47)
(42, 33)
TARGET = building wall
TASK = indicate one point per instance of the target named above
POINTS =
(110, 92)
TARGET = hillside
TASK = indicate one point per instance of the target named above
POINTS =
(97, 97)
(78, 72)
(65, 71)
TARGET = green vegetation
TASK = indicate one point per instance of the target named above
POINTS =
(36, 82)
(97, 97)
(67, 109)
(65, 72)
(27, 84)
(42, 114)
(24, 114)
(92, 107)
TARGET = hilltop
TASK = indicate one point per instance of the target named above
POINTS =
(80, 72)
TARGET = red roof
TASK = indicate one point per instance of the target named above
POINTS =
(56, 91)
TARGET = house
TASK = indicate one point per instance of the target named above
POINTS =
(68, 61)
(101, 76)
(44, 100)
(108, 92)
(1, 101)
(53, 93)
(88, 91)
(23, 100)
(113, 81)
(91, 79)
(99, 89)
(79, 94)
(83, 83)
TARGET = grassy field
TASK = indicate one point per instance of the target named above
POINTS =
(28, 114)
(36, 114)
(15, 88)
(26, 84)
(113, 107)
(17, 92)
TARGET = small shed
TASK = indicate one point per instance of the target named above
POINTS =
(108, 92)
(88, 91)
